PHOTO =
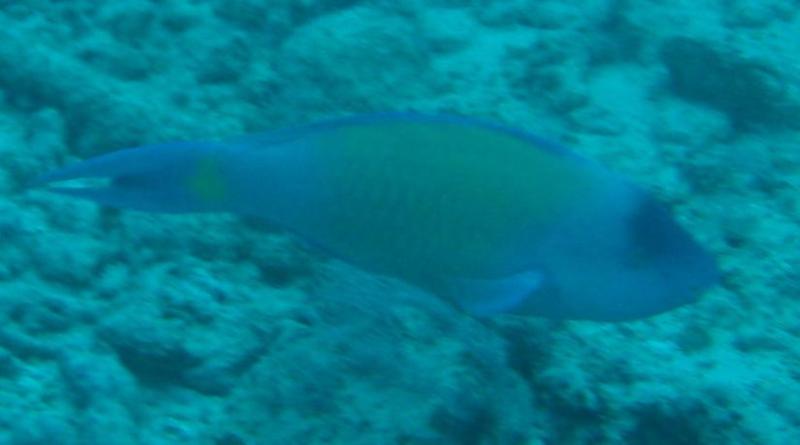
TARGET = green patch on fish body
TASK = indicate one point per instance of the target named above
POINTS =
(441, 201)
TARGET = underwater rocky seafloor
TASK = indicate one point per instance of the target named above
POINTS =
(127, 328)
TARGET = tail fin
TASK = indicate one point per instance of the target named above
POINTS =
(173, 177)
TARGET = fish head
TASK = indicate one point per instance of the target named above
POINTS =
(631, 262)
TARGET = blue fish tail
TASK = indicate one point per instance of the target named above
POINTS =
(173, 177)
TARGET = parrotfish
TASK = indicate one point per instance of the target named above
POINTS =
(491, 218)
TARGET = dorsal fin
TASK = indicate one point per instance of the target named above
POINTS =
(289, 134)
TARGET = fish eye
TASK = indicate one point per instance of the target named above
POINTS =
(636, 257)
(650, 227)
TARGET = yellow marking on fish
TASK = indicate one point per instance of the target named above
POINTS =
(207, 181)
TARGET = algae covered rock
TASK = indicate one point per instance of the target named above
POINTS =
(751, 93)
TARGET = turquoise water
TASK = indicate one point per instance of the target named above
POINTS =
(122, 327)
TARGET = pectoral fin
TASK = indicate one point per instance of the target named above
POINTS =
(484, 297)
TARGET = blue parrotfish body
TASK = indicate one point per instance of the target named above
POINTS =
(491, 218)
